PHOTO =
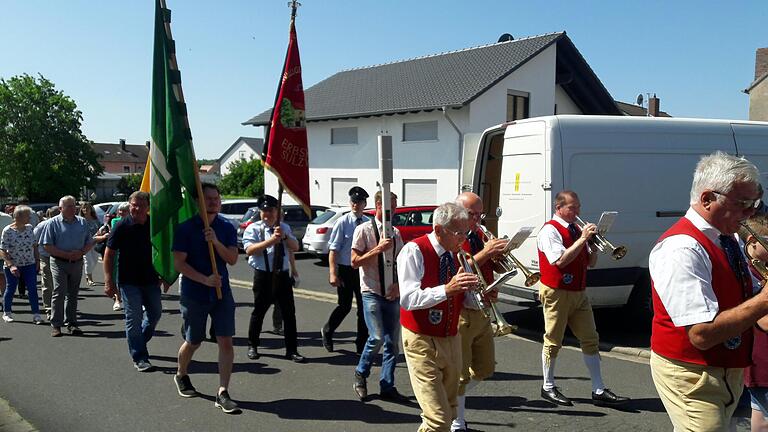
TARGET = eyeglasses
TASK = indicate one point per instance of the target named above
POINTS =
(475, 214)
(744, 204)
(457, 233)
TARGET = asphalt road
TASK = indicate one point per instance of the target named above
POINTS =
(88, 383)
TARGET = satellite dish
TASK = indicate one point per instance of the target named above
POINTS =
(640, 99)
(506, 37)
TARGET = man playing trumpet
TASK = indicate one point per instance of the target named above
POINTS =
(477, 349)
(563, 260)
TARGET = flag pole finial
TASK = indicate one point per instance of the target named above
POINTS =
(293, 4)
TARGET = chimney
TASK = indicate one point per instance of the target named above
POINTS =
(653, 106)
(122, 144)
(761, 62)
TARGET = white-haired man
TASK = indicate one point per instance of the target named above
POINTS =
(703, 302)
(431, 295)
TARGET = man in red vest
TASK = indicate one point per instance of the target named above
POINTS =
(432, 290)
(564, 256)
(703, 303)
(477, 349)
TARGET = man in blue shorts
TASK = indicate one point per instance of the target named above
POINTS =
(198, 292)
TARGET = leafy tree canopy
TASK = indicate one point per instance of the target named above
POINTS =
(245, 178)
(129, 184)
(43, 152)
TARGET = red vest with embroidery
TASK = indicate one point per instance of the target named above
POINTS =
(442, 319)
(672, 342)
(572, 277)
(487, 267)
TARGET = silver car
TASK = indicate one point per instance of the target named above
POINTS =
(318, 231)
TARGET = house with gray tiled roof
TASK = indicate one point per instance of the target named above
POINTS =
(433, 107)
(243, 148)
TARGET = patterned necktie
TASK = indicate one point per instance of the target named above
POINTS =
(446, 268)
(475, 244)
(358, 221)
(738, 263)
(575, 232)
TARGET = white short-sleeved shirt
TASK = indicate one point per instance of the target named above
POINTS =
(363, 241)
(549, 240)
(410, 271)
(682, 274)
(20, 245)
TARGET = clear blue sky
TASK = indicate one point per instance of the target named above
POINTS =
(696, 56)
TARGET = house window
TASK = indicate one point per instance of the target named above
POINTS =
(517, 105)
(420, 131)
(242, 154)
(340, 190)
(345, 135)
(419, 192)
(126, 168)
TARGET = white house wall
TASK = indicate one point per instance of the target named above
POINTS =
(564, 103)
(234, 155)
(536, 77)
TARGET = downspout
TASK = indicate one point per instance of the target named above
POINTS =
(461, 144)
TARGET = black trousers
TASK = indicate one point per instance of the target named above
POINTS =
(264, 295)
(350, 285)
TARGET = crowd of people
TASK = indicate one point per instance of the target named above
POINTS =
(707, 271)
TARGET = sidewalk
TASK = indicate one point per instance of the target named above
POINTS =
(11, 421)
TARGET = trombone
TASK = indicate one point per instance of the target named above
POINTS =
(760, 266)
(508, 263)
(499, 326)
(602, 244)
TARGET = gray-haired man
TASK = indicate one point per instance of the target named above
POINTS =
(66, 239)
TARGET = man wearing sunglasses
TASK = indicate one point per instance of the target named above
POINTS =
(564, 256)
(431, 295)
(703, 301)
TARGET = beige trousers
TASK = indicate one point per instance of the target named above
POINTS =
(567, 308)
(477, 349)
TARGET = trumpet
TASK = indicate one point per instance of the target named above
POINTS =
(602, 244)
(508, 263)
(760, 266)
(498, 324)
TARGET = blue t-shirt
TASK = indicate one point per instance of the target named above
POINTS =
(189, 238)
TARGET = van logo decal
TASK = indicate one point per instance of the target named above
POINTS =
(517, 182)
(567, 278)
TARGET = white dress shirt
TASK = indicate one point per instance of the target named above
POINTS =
(682, 274)
(550, 241)
(410, 270)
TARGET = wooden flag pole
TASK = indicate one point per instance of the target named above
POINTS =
(206, 225)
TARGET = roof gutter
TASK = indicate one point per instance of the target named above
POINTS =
(444, 109)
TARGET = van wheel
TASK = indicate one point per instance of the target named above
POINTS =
(640, 304)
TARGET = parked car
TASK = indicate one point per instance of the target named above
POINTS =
(235, 209)
(412, 222)
(293, 215)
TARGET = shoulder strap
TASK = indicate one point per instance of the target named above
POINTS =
(381, 259)
(264, 251)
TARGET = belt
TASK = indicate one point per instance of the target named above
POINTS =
(66, 260)
(269, 272)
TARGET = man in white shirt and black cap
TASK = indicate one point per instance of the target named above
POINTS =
(342, 275)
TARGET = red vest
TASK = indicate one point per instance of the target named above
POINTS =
(672, 342)
(442, 319)
(487, 267)
(572, 277)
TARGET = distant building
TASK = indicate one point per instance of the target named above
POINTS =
(758, 90)
(638, 111)
(433, 107)
(122, 158)
(244, 148)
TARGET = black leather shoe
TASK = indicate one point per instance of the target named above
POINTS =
(555, 397)
(296, 358)
(253, 353)
(327, 337)
(360, 387)
(278, 331)
(392, 395)
(608, 397)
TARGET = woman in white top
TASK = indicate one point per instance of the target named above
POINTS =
(21, 261)
(92, 256)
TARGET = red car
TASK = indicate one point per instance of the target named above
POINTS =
(412, 222)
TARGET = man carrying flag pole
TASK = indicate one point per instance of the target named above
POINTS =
(202, 244)
(286, 155)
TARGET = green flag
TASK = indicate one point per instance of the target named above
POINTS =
(172, 158)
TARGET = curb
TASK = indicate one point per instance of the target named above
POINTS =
(11, 421)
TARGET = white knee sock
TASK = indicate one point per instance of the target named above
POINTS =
(548, 367)
(593, 364)
(459, 422)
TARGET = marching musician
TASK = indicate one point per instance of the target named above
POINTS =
(341, 274)
(703, 303)
(477, 349)
(381, 305)
(431, 295)
(564, 256)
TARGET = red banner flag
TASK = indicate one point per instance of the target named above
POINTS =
(286, 152)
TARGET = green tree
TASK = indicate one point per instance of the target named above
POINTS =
(129, 184)
(43, 152)
(245, 178)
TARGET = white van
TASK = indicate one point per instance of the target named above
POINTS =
(641, 167)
